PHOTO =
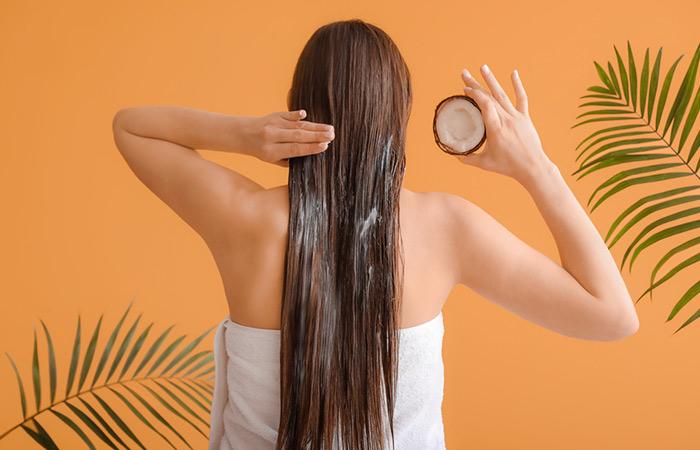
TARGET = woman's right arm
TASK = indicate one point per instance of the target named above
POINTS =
(584, 297)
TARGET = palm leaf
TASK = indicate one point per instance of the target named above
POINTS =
(613, 78)
(177, 393)
(180, 402)
(666, 233)
(690, 293)
(692, 115)
(677, 249)
(607, 130)
(103, 422)
(637, 181)
(639, 138)
(108, 346)
(20, 384)
(135, 350)
(632, 75)
(163, 356)
(688, 262)
(124, 346)
(91, 424)
(197, 390)
(675, 115)
(623, 75)
(653, 84)
(664, 92)
(39, 434)
(89, 354)
(140, 416)
(185, 351)
(152, 351)
(688, 296)
(36, 375)
(604, 77)
(187, 394)
(74, 426)
(644, 84)
(643, 201)
(52, 362)
(156, 414)
(75, 356)
(172, 409)
(650, 209)
(613, 136)
(616, 154)
(118, 420)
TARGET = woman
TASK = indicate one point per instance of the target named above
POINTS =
(335, 282)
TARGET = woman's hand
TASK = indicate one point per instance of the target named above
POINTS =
(512, 145)
(278, 136)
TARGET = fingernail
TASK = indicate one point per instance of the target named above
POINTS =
(302, 113)
(486, 68)
(466, 73)
(517, 75)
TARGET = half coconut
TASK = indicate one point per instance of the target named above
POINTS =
(458, 125)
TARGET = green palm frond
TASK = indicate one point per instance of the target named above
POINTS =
(102, 404)
(651, 148)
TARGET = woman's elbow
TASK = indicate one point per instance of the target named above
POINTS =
(624, 323)
(118, 119)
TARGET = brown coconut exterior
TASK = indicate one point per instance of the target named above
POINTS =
(444, 147)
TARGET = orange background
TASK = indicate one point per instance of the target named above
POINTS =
(80, 234)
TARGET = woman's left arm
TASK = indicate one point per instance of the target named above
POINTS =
(159, 144)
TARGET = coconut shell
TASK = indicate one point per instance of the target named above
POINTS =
(444, 147)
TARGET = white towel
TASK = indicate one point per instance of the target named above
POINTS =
(245, 404)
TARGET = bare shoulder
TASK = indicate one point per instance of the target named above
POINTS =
(450, 210)
(437, 226)
(475, 245)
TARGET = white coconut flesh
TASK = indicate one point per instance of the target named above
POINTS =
(459, 125)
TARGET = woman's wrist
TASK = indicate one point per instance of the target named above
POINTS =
(223, 132)
(238, 136)
(537, 173)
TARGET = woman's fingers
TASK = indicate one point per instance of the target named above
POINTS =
(471, 82)
(520, 94)
(496, 90)
(293, 119)
(300, 135)
(488, 106)
(293, 115)
(295, 149)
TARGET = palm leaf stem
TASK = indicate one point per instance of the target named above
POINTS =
(29, 418)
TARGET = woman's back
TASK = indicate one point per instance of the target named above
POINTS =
(246, 404)
(251, 260)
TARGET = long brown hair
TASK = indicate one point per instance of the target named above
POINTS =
(344, 264)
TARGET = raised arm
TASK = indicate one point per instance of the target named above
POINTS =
(584, 297)
(159, 144)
